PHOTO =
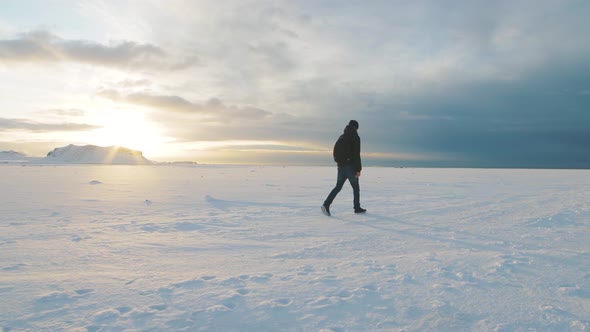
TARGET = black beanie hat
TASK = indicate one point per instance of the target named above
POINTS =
(354, 124)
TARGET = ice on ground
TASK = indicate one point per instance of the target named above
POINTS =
(222, 248)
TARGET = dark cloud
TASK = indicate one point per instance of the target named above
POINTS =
(540, 120)
(278, 127)
(43, 46)
(213, 109)
(38, 127)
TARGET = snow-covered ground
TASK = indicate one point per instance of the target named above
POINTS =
(222, 248)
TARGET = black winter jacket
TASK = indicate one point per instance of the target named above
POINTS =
(353, 148)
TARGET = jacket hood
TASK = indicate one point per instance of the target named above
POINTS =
(350, 130)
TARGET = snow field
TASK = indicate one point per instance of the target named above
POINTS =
(236, 248)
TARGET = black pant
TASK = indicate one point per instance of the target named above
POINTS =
(346, 172)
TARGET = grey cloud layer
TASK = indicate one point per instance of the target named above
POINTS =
(43, 46)
(39, 127)
(214, 108)
(213, 120)
(473, 83)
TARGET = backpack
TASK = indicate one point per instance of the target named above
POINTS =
(342, 150)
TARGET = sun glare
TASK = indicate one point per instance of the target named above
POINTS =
(130, 130)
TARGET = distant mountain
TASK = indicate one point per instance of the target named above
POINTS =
(12, 156)
(92, 154)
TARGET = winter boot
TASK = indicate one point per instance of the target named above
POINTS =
(326, 209)
(359, 210)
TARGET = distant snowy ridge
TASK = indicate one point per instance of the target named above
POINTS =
(12, 156)
(92, 154)
(178, 163)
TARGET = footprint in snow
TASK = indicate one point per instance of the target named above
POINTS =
(105, 316)
(327, 280)
(189, 284)
(187, 226)
(193, 283)
(13, 267)
(243, 291)
(344, 294)
(306, 270)
(401, 279)
(262, 279)
(233, 282)
(84, 291)
(276, 303)
(124, 309)
(369, 287)
(217, 308)
(158, 307)
(229, 304)
(56, 299)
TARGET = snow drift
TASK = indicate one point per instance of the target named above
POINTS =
(92, 154)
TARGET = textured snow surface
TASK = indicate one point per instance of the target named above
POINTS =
(221, 248)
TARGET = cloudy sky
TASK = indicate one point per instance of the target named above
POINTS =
(433, 83)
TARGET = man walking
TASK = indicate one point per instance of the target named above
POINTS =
(347, 154)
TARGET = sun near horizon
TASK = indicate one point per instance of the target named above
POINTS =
(128, 129)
